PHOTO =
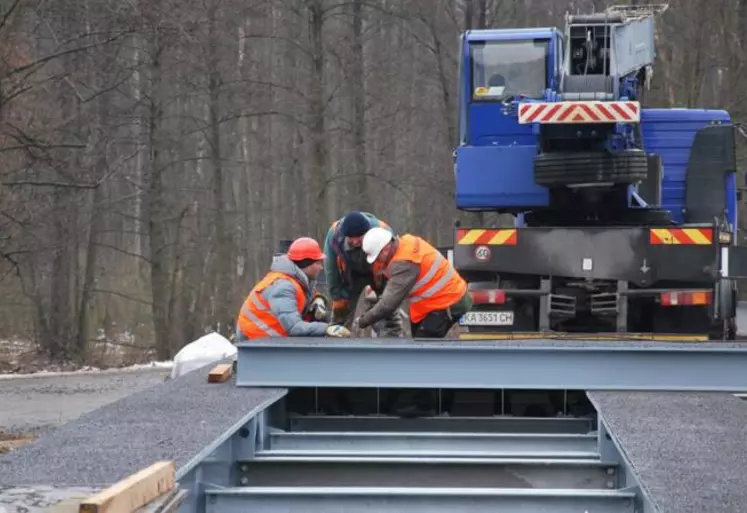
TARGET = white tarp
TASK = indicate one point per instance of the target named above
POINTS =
(207, 349)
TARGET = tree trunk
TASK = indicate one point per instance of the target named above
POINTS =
(319, 154)
(222, 286)
(358, 86)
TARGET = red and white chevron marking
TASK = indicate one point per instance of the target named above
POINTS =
(580, 112)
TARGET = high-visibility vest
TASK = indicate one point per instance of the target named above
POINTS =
(256, 319)
(439, 285)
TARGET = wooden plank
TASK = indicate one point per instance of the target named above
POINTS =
(133, 492)
(220, 373)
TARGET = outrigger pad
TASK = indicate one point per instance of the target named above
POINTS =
(712, 157)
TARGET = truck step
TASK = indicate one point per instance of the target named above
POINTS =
(273, 470)
(490, 444)
(415, 500)
(497, 424)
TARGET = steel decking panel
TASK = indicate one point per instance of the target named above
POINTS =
(530, 364)
(415, 500)
(463, 443)
(496, 424)
(272, 470)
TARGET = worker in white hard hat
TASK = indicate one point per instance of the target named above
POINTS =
(417, 271)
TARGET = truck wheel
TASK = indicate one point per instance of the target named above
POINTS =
(559, 169)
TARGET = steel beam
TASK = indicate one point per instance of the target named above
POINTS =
(415, 500)
(482, 444)
(498, 424)
(274, 470)
(549, 365)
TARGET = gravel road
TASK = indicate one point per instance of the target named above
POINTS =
(39, 402)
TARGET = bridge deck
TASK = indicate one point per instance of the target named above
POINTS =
(175, 420)
(688, 450)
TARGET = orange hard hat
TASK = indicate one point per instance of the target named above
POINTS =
(305, 248)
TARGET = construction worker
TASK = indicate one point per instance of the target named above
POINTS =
(276, 306)
(349, 277)
(417, 271)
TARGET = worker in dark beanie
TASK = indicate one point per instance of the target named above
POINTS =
(349, 276)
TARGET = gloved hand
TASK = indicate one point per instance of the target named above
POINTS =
(369, 293)
(335, 330)
(318, 309)
(339, 310)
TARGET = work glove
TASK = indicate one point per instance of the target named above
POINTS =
(338, 331)
(369, 293)
(318, 309)
(339, 310)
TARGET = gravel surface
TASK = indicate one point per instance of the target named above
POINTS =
(40, 402)
(175, 420)
(687, 449)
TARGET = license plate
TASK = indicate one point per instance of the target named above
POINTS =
(487, 319)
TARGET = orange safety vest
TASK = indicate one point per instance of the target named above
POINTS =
(439, 285)
(256, 319)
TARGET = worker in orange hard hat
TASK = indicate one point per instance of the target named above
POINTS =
(276, 306)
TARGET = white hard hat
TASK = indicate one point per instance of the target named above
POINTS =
(374, 241)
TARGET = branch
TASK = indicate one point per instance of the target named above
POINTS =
(391, 183)
(122, 295)
(8, 14)
(51, 184)
(63, 53)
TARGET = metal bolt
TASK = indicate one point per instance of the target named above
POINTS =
(610, 471)
(610, 484)
(244, 480)
(244, 468)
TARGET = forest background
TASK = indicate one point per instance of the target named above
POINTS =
(154, 152)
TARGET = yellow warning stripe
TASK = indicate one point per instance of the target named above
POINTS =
(487, 237)
(685, 236)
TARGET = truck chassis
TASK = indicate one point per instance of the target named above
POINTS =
(637, 279)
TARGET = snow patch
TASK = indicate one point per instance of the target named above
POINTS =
(92, 370)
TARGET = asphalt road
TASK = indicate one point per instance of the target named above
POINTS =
(36, 403)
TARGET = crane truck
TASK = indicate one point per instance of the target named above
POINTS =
(625, 215)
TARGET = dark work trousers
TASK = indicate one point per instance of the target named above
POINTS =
(434, 325)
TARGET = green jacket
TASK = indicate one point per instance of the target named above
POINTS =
(339, 279)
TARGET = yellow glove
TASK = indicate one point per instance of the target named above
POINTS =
(318, 309)
(338, 331)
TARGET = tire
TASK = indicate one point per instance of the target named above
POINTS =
(562, 169)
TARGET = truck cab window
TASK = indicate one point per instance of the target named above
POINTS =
(503, 69)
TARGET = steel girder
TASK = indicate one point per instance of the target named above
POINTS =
(550, 365)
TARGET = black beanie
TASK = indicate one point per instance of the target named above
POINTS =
(355, 224)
